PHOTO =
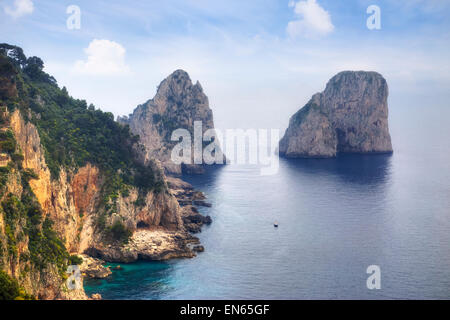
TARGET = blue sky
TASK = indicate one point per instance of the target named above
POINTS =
(255, 69)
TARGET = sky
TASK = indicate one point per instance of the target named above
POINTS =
(258, 61)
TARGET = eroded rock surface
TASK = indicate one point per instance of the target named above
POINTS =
(147, 244)
(93, 268)
(351, 116)
(177, 104)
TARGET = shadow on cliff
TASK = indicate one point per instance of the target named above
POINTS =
(374, 169)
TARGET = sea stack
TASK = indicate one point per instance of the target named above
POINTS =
(177, 104)
(350, 116)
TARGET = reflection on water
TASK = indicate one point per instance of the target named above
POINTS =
(362, 169)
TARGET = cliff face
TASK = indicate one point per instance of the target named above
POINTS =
(177, 104)
(55, 202)
(24, 253)
(72, 202)
(54, 196)
(351, 115)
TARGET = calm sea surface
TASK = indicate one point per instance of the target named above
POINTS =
(336, 217)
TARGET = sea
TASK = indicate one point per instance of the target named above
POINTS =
(337, 219)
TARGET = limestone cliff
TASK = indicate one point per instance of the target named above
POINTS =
(71, 183)
(351, 115)
(177, 104)
(73, 203)
(24, 253)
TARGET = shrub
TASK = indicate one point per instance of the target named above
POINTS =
(10, 289)
(118, 232)
(17, 157)
(7, 141)
(28, 174)
(75, 260)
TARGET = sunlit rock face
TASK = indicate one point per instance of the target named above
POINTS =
(178, 103)
(350, 116)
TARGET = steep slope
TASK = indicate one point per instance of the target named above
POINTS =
(177, 104)
(72, 182)
(351, 115)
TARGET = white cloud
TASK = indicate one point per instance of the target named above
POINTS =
(104, 57)
(21, 8)
(313, 20)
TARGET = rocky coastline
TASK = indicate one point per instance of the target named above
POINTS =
(178, 102)
(153, 243)
(119, 209)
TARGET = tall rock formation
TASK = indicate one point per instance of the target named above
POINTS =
(350, 116)
(177, 104)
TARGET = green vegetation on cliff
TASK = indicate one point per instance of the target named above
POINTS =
(72, 135)
(30, 244)
(23, 218)
(10, 289)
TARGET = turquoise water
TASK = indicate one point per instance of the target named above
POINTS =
(336, 217)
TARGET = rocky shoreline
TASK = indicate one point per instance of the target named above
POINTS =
(154, 243)
(166, 233)
(93, 268)
(188, 198)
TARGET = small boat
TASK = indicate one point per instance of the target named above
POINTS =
(275, 224)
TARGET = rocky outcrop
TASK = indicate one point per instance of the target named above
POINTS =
(187, 197)
(93, 268)
(193, 220)
(151, 244)
(177, 104)
(350, 116)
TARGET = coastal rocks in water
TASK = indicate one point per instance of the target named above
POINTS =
(177, 104)
(93, 268)
(178, 184)
(350, 116)
(202, 203)
(185, 193)
(158, 244)
(198, 249)
(193, 220)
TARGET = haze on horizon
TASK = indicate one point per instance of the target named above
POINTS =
(258, 62)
